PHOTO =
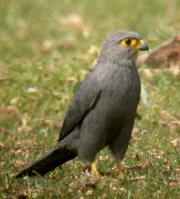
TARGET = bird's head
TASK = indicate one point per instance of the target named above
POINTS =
(122, 47)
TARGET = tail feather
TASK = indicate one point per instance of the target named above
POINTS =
(49, 161)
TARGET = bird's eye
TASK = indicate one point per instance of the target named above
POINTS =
(128, 41)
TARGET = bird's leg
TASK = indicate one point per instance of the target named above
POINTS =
(121, 170)
(94, 170)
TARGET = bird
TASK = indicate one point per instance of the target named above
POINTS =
(103, 109)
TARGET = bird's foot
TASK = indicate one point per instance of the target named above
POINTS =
(122, 172)
(94, 170)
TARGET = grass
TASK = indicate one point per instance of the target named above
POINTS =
(43, 57)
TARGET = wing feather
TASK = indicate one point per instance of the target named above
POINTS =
(84, 100)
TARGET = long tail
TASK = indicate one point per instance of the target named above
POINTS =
(49, 161)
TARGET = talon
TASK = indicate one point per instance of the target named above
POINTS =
(94, 170)
(121, 170)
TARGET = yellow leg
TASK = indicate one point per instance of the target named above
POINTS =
(94, 170)
(121, 170)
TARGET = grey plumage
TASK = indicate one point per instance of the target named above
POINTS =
(103, 110)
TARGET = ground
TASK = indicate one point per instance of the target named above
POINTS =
(46, 49)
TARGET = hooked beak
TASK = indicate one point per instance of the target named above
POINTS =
(142, 46)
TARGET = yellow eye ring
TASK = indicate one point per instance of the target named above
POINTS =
(134, 43)
(126, 42)
(129, 43)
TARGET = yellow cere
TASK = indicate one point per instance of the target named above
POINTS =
(132, 43)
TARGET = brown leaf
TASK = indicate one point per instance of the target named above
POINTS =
(174, 69)
(176, 143)
(2, 78)
(74, 22)
(67, 42)
(82, 57)
(138, 155)
(85, 183)
(166, 53)
(70, 79)
(139, 178)
(148, 73)
(47, 45)
(167, 120)
(93, 50)
(54, 123)
(14, 101)
(24, 126)
(2, 146)
(174, 182)
(9, 113)
(143, 166)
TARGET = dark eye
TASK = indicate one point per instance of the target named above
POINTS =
(128, 42)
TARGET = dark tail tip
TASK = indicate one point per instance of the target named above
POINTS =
(49, 161)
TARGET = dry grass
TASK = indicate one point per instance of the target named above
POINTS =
(46, 49)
